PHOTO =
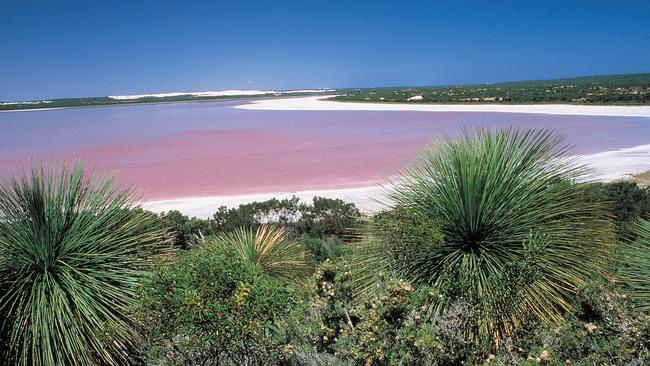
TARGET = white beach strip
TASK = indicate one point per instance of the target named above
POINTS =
(368, 199)
(607, 166)
(32, 109)
(618, 164)
(318, 103)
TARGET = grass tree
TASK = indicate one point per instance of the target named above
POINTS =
(518, 238)
(635, 267)
(268, 251)
(73, 249)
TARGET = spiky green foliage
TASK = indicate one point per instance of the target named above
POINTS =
(635, 267)
(519, 239)
(72, 251)
(269, 251)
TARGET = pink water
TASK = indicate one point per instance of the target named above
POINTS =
(209, 148)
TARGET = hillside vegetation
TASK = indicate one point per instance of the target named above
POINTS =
(108, 101)
(627, 89)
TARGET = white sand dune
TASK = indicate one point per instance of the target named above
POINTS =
(220, 93)
(319, 103)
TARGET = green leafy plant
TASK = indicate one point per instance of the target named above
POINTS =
(626, 201)
(255, 214)
(268, 251)
(390, 326)
(72, 250)
(602, 330)
(186, 232)
(323, 218)
(327, 217)
(323, 249)
(498, 198)
(209, 308)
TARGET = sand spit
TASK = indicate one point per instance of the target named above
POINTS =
(319, 103)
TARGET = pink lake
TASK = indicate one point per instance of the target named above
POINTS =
(210, 148)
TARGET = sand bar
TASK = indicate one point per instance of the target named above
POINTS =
(319, 103)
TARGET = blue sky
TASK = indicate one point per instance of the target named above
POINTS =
(95, 48)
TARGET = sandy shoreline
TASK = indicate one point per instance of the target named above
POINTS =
(35, 109)
(369, 199)
(318, 103)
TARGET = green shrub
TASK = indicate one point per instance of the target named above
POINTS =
(392, 326)
(327, 217)
(209, 308)
(185, 231)
(323, 249)
(72, 250)
(626, 201)
(252, 215)
(322, 218)
(403, 233)
(602, 331)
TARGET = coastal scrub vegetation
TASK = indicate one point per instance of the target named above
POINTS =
(211, 308)
(626, 89)
(323, 219)
(493, 252)
(109, 101)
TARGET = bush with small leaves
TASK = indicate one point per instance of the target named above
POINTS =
(604, 330)
(209, 308)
